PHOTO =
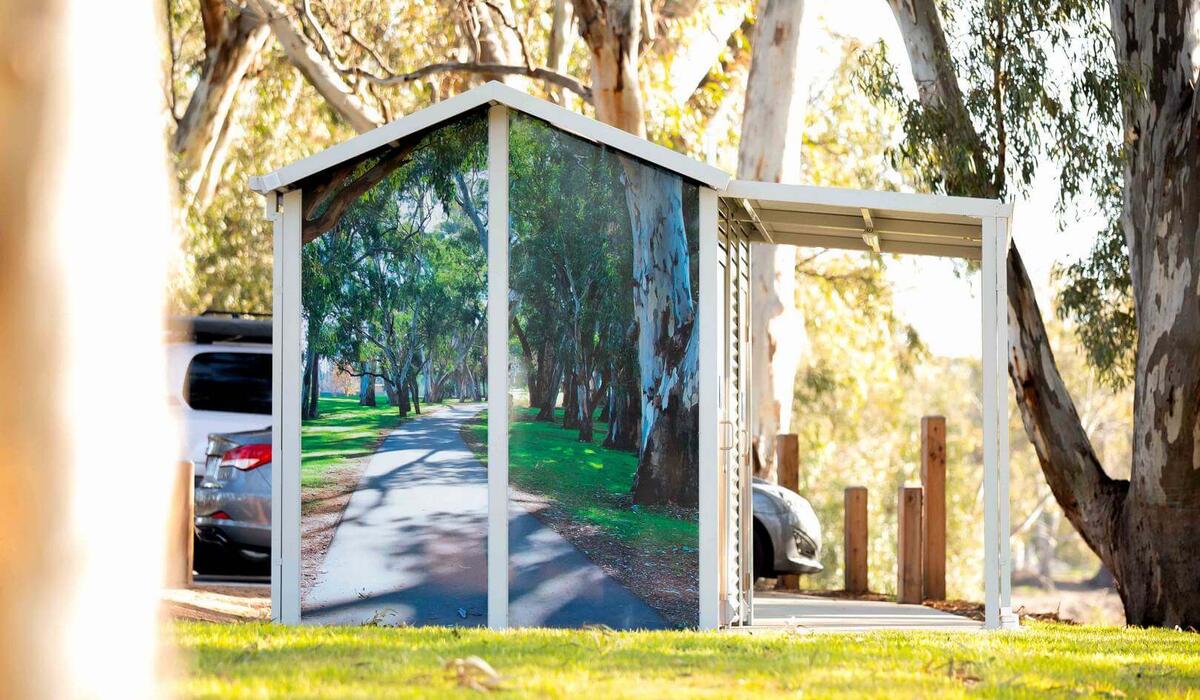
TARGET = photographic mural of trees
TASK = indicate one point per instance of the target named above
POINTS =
(603, 304)
(395, 285)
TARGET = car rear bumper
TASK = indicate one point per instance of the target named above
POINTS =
(245, 508)
(234, 534)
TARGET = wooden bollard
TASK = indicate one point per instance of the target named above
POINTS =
(182, 529)
(909, 554)
(787, 462)
(855, 538)
(933, 480)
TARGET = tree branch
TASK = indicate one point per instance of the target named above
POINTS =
(537, 73)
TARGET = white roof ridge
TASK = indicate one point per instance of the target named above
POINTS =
(493, 92)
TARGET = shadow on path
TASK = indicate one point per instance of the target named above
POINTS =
(412, 547)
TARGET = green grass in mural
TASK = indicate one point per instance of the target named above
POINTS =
(591, 483)
(1044, 660)
(343, 431)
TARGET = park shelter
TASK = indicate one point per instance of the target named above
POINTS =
(727, 216)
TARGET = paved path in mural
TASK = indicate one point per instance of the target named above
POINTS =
(411, 547)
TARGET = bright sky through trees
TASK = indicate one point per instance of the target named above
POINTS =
(941, 304)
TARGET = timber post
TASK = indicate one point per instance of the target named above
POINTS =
(855, 539)
(908, 545)
(933, 480)
(183, 517)
(787, 463)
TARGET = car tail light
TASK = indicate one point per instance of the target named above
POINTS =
(247, 457)
(221, 515)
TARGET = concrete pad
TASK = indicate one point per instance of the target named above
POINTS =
(774, 611)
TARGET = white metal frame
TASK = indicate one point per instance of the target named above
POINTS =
(284, 203)
(492, 93)
(710, 299)
(285, 412)
(991, 247)
(497, 345)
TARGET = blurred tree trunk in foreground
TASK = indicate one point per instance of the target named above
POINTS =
(84, 237)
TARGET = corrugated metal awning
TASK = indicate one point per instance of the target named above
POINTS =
(884, 222)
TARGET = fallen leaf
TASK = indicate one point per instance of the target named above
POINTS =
(475, 673)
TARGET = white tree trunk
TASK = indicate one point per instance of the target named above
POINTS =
(612, 30)
(668, 343)
(488, 26)
(772, 125)
(558, 48)
(232, 44)
(65, 584)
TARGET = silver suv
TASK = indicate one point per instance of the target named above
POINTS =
(233, 500)
(219, 376)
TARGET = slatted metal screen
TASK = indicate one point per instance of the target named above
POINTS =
(736, 531)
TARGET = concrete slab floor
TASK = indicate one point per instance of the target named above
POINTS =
(774, 611)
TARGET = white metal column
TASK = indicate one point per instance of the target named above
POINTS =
(991, 524)
(997, 584)
(497, 338)
(287, 367)
(272, 207)
(709, 390)
(1008, 620)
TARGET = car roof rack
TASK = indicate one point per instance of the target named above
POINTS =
(214, 329)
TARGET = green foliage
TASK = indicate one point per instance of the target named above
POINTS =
(344, 431)
(1040, 87)
(400, 282)
(1096, 295)
(260, 660)
(591, 484)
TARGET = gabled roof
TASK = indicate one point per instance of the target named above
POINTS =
(491, 93)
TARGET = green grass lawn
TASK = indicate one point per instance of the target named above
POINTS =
(591, 483)
(344, 430)
(1045, 660)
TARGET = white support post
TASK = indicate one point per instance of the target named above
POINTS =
(1008, 620)
(497, 338)
(286, 342)
(710, 389)
(271, 210)
(991, 424)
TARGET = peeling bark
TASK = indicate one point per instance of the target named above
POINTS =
(612, 30)
(1158, 571)
(558, 48)
(1147, 530)
(668, 345)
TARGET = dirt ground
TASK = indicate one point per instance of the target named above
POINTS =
(321, 512)
(1095, 606)
(218, 603)
(667, 583)
(1081, 605)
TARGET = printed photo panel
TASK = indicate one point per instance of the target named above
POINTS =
(394, 298)
(604, 398)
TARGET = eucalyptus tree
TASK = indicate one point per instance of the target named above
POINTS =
(570, 243)
(1123, 121)
(351, 61)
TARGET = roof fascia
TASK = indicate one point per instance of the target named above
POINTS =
(860, 199)
(491, 93)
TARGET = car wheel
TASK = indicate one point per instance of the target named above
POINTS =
(764, 553)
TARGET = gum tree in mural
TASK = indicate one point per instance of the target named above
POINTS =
(604, 307)
(394, 274)
(570, 272)
(665, 313)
